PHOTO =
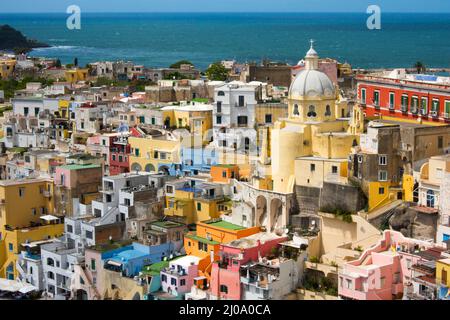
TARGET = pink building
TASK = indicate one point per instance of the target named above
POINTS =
(383, 270)
(178, 278)
(225, 275)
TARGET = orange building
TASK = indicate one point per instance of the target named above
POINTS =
(224, 172)
(205, 242)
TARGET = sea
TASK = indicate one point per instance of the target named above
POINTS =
(160, 39)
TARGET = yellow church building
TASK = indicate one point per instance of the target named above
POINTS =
(314, 141)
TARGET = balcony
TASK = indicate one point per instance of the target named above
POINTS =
(46, 194)
(435, 114)
(240, 105)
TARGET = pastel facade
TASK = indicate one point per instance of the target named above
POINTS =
(382, 271)
(205, 241)
(226, 273)
(443, 278)
(178, 278)
(317, 125)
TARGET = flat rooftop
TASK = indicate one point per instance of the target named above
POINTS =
(80, 166)
(252, 241)
(223, 224)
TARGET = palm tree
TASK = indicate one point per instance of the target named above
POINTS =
(420, 67)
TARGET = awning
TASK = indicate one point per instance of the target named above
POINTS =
(49, 217)
(114, 263)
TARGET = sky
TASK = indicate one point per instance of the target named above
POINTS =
(30, 6)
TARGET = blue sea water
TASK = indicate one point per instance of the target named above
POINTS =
(159, 39)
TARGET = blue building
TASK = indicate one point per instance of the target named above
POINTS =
(132, 258)
(196, 160)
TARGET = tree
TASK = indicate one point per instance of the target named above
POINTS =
(177, 64)
(58, 63)
(75, 62)
(217, 71)
(420, 67)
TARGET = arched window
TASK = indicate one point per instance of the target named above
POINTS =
(295, 112)
(312, 111)
(327, 110)
(221, 93)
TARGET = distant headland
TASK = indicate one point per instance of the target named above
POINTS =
(14, 40)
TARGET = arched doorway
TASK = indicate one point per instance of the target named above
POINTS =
(136, 167)
(276, 214)
(136, 296)
(150, 168)
(167, 122)
(261, 211)
(164, 170)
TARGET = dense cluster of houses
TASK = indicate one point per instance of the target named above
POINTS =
(275, 184)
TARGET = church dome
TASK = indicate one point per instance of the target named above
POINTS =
(312, 83)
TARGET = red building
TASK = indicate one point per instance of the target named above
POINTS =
(405, 96)
(119, 153)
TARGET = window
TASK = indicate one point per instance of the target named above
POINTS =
(51, 275)
(163, 278)
(182, 282)
(363, 95)
(360, 159)
(241, 101)
(163, 155)
(376, 98)
(21, 192)
(312, 167)
(424, 106)
(391, 100)
(219, 119)
(33, 211)
(414, 104)
(114, 157)
(312, 111)
(447, 109)
(50, 262)
(223, 288)
(404, 104)
(381, 190)
(268, 118)
(224, 174)
(10, 247)
(93, 264)
(219, 106)
(440, 142)
(173, 281)
(382, 160)
(89, 234)
(169, 189)
(435, 107)
(242, 120)
(382, 175)
(334, 169)
(81, 280)
(348, 283)
(69, 228)
(382, 282)
(136, 152)
(221, 93)
(327, 110)
(295, 112)
(199, 206)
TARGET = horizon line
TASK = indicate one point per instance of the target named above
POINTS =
(226, 11)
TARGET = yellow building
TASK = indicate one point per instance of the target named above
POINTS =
(77, 74)
(24, 216)
(192, 204)
(7, 67)
(159, 152)
(63, 106)
(443, 278)
(317, 128)
(196, 117)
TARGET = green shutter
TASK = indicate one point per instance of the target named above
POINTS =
(447, 108)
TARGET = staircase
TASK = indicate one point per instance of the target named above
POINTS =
(379, 216)
(110, 216)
